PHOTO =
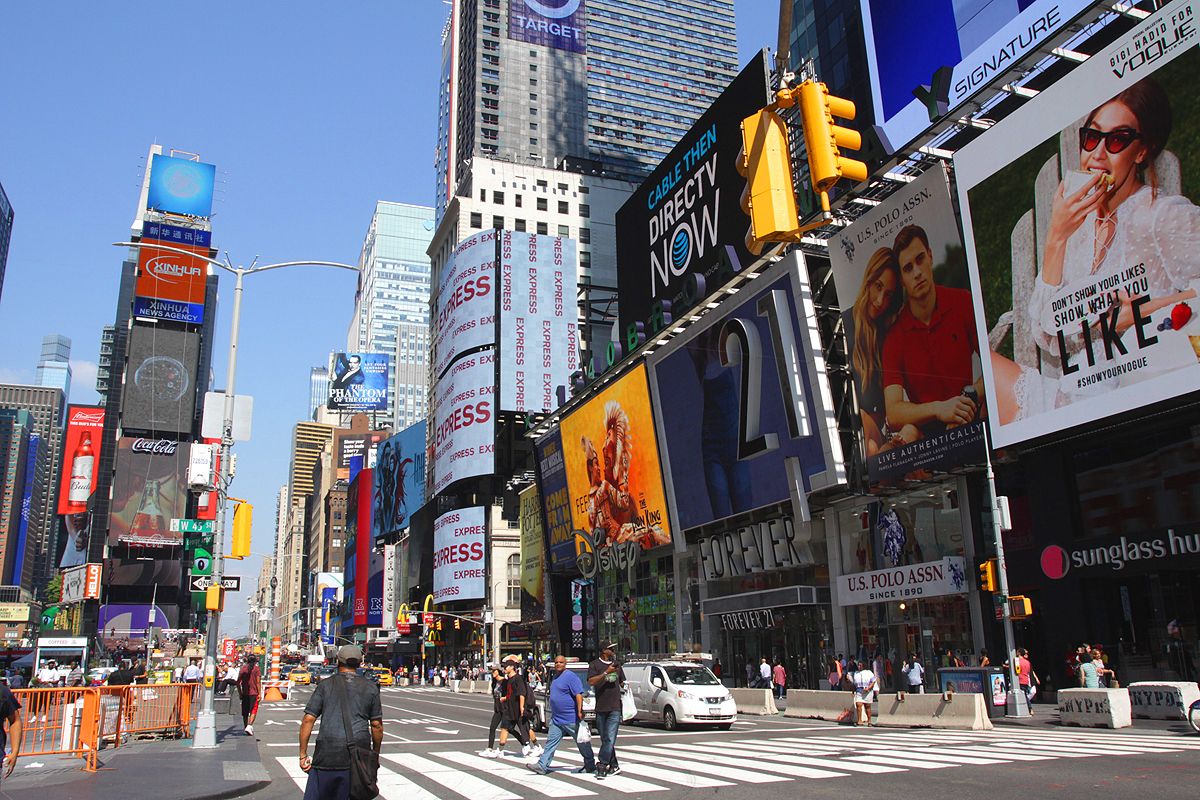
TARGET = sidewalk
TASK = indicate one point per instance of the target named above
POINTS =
(164, 769)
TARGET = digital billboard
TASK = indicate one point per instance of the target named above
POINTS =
(171, 285)
(176, 235)
(615, 481)
(181, 186)
(464, 441)
(533, 556)
(399, 480)
(963, 46)
(81, 457)
(1081, 219)
(358, 546)
(556, 502)
(160, 388)
(746, 418)
(81, 583)
(538, 319)
(149, 490)
(911, 339)
(552, 23)
(358, 381)
(354, 445)
(685, 223)
(459, 555)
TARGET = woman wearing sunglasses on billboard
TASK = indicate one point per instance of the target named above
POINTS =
(1107, 217)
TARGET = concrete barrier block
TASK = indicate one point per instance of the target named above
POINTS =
(756, 702)
(481, 687)
(1162, 699)
(951, 711)
(814, 704)
(1095, 708)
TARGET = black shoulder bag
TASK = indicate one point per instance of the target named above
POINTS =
(364, 761)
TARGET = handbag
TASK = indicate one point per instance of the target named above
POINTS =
(628, 709)
(364, 761)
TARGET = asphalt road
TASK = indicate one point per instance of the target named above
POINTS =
(432, 737)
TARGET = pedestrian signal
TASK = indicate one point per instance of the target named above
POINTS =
(826, 141)
(1020, 606)
(242, 515)
(988, 578)
(214, 598)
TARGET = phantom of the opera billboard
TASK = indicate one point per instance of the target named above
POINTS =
(1083, 236)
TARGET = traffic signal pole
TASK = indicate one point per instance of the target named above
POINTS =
(1016, 704)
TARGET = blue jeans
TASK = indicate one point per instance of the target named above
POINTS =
(559, 731)
(327, 784)
(608, 722)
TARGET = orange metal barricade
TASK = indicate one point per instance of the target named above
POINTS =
(78, 721)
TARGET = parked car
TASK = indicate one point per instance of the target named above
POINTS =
(541, 716)
(679, 692)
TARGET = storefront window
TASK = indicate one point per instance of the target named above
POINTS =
(639, 615)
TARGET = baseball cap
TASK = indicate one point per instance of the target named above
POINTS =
(349, 652)
(610, 646)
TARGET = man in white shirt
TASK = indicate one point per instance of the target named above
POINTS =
(764, 674)
(864, 681)
(229, 680)
(47, 675)
(914, 672)
(192, 673)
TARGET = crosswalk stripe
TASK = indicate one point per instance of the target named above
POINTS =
(1079, 750)
(457, 781)
(987, 750)
(291, 765)
(794, 758)
(713, 754)
(519, 775)
(1124, 740)
(934, 754)
(678, 778)
(393, 786)
(898, 761)
(621, 783)
(635, 754)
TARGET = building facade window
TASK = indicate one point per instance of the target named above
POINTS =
(514, 581)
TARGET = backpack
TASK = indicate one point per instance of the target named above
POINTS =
(530, 700)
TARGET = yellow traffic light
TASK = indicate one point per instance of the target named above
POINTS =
(1020, 606)
(825, 140)
(214, 598)
(457, 624)
(242, 515)
(988, 581)
(769, 198)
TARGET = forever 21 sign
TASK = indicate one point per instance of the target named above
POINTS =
(748, 620)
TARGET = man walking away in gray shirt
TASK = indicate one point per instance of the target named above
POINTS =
(329, 768)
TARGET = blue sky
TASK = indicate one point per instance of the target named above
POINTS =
(311, 112)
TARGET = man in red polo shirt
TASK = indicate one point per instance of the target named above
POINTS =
(928, 353)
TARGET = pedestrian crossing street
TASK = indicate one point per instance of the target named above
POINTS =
(711, 763)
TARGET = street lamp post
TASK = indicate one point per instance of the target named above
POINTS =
(206, 723)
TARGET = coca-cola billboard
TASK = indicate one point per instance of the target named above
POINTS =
(81, 458)
(149, 490)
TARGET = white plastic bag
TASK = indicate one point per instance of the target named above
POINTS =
(628, 709)
(584, 734)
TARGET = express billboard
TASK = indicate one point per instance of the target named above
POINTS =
(149, 490)
(556, 502)
(911, 337)
(358, 381)
(746, 418)
(399, 480)
(170, 284)
(160, 390)
(464, 441)
(538, 325)
(963, 46)
(613, 473)
(181, 186)
(459, 555)
(1086, 270)
(685, 224)
(464, 309)
(560, 24)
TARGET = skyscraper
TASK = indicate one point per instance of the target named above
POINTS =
(547, 125)
(830, 34)
(391, 306)
(6, 224)
(54, 367)
(19, 447)
(318, 390)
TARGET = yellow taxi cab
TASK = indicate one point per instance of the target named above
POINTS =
(383, 674)
(300, 676)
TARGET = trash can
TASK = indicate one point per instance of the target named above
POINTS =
(991, 682)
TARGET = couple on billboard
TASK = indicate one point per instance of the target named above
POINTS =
(913, 348)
